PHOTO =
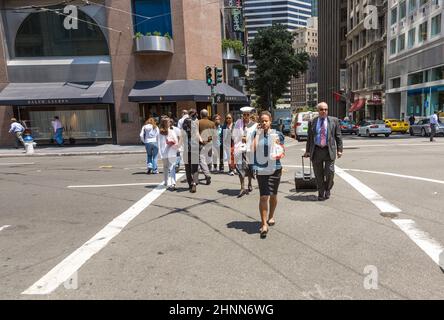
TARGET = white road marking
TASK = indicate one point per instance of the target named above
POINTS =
(65, 269)
(114, 185)
(429, 245)
(397, 175)
(381, 203)
(17, 164)
(4, 227)
(394, 144)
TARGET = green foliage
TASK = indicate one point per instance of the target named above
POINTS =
(138, 35)
(157, 33)
(236, 45)
(167, 35)
(276, 62)
(148, 34)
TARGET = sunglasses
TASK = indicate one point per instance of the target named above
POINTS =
(323, 109)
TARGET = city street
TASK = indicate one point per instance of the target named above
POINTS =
(60, 239)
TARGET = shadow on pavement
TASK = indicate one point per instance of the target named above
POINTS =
(250, 227)
(229, 192)
(310, 197)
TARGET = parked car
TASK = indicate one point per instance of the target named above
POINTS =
(371, 128)
(299, 125)
(422, 127)
(397, 125)
(349, 127)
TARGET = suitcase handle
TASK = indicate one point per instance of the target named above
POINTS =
(303, 170)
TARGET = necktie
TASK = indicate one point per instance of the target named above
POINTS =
(323, 134)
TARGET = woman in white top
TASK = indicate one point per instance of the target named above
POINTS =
(168, 142)
(148, 135)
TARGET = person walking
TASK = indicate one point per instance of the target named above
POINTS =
(412, 120)
(206, 132)
(177, 131)
(149, 135)
(180, 150)
(434, 123)
(168, 142)
(324, 145)
(17, 130)
(228, 143)
(268, 166)
(218, 145)
(190, 138)
(58, 131)
(242, 134)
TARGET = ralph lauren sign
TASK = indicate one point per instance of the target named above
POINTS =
(47, 101)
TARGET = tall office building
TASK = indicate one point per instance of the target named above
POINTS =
(314, 8)
(261, 14)
(332, 53)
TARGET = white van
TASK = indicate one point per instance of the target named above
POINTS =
(299, 125)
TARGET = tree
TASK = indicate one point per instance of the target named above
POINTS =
(276, 62)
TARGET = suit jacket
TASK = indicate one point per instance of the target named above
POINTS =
(334, 138)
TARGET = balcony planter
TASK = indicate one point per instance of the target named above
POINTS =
(231, 50)
(154, 45)
(230, 56)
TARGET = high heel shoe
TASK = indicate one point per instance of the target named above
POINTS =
(263, 232)
(242, 193)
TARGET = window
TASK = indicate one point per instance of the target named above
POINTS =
(393, 46)
(394, 15)
(412, 5)
(416, 78)
(402, 10)
(422, 2)
(436, 25)
(396, 83)
(422, 36)
(412, 40)
(42, 34)
(438, 74)
(160, 9)
(401, 42)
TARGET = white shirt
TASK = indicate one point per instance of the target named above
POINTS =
(16, 127)
(165, 150)
(434, 119)
(56, 124)
(149, 134)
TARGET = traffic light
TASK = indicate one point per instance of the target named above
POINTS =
(218, 78)
(209, 76)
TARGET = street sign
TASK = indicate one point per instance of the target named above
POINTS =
(220, 98)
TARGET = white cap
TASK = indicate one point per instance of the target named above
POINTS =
(247, 109)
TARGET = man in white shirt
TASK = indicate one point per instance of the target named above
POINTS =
(434, 123)
(17, 130)
(180, 127)
(181, 120)
(58, 130)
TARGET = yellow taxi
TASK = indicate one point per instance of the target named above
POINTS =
(397, 125)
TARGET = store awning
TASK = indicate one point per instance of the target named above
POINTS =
(182, 90)
(31, 94)
(358, 104)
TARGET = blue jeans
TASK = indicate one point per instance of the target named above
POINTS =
(58, 137)
(152, 151)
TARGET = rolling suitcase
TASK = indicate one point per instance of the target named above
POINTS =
(305, 181)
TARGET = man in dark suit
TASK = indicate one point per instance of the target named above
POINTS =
(324, 145)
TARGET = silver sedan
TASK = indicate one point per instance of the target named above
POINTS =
(371, 128)
(422, 127)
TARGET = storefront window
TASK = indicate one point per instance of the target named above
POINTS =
(79, 122)
(416, 78)
(42, 34)
(158, 10)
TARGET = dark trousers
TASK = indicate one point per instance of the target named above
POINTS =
(432, 131)
(324, 170)
(192, 172)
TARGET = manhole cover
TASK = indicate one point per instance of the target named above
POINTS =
(389, 215)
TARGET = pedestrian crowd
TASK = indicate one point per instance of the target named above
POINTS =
(250, 147)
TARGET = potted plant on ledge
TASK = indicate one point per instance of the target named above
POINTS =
(232, 49)
(153, 43)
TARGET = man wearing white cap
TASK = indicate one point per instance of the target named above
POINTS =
(243, 135)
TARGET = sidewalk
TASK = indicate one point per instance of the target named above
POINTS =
(79, 150)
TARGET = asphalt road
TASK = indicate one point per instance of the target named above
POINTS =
(177, 245)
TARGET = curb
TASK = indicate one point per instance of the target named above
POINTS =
(71, 154)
